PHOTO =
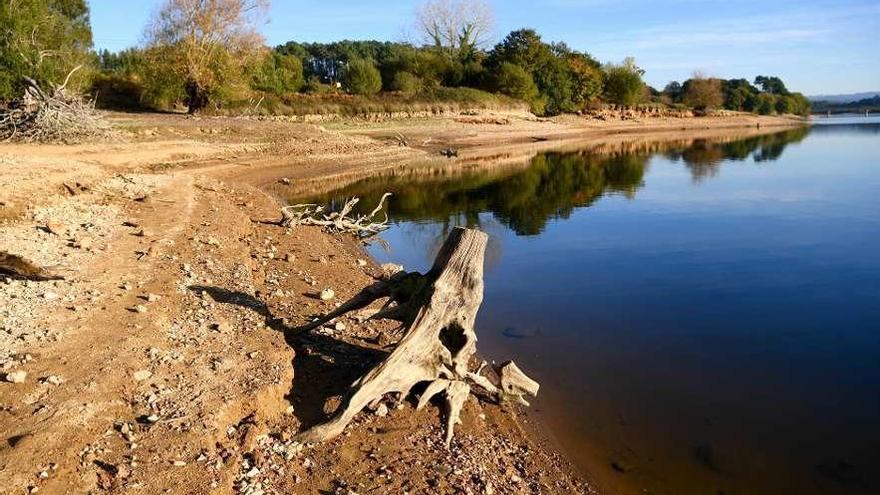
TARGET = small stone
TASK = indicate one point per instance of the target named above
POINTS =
(382, 410)
(152, 297)
(179, 463)
(253, 355)
(327, 294)
(340, 327)
(126, 287)
(53, 380)
(16, 376)
(140, 308)
(142, 375)
(361, 263)
(50, 296)
(152, 418)
(254, 472)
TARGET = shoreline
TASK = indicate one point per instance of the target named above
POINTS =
(165, 222)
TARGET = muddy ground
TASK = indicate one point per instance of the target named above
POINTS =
(165, 362)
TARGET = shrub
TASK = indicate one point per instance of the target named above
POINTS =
(406, 82)
(279, 74)
(702, 93)
(623, 83)
(361, 77)
(512, 80)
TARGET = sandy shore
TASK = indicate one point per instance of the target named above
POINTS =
(161, 364)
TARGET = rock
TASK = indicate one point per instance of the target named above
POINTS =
(389, 270)
(361, 263)
(340, 327)
(382, 410)
(179, 463)
(54, 227)
(253, 355)
(53, 380)
(152, 297)
(16, 376)
(327, 295)
(50, 296)
(140, 308)
(84, 244)
(142, 375)
(285, 181)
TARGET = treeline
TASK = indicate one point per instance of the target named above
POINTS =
(864, 105)
(766, 96)
(209, 55)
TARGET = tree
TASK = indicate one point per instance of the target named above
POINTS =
(361, 77)
(623, 83)
(279, 74)
(766, 104)
(512, 80)
(208, 45)
(43, 40)
(772, 85)
(406, 82)
(673, 91)
(457, 27)
(703, 93)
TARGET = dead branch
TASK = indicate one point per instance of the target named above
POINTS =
(438, 309)
(361, 226)
(58, 117)
(15, 266)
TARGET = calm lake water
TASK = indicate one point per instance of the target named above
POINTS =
(703, 318)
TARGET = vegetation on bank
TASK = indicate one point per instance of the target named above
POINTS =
(210, 56)
(859, 106)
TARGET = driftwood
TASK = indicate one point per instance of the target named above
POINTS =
(17, 267)
(56, 116)
(438, 309)
(337, 221)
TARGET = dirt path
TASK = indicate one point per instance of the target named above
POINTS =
(164, 362)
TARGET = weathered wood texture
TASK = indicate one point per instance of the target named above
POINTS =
(438, 309)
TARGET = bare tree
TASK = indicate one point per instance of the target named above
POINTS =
(206, 43)
(456, 26)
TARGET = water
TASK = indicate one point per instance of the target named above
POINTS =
(704, 318)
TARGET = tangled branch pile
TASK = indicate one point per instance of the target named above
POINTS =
(58, 117)
(361, 226)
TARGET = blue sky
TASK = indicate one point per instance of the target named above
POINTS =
(817, 46)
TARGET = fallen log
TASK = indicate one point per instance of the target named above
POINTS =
(438, 309)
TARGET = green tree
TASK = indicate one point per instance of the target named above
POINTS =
(406, 82)
(770, 84)
(361, 77)
(279, 74)
(512, 80)
(765, 104)
(623, 83)
(43, 40)
(207, 46)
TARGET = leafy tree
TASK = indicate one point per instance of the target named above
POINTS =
(406, 82)
(587, 78)
(766, 104)
(703, 93)
(772, 85)
(279, 74)
(512, 80)
(209, 46)
(673, 91)
(43, 40)
(623, 83)
(361, 77)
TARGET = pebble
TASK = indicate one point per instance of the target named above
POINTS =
(152, 297)
(50, 296)
(361, 263)
(140, 308)
(382, 410)
(16, 376)
(53, 380)
(142, 375)
(340, 327)
(327, 294)
(179, 463)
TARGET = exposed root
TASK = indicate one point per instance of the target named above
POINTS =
(438, 309)
(338, 222)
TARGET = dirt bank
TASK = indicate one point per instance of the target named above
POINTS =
(161, 364)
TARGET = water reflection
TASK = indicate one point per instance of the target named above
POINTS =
(551, 186)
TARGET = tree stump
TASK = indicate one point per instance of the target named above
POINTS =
(438, 310)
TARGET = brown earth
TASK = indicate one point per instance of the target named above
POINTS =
(164, 362)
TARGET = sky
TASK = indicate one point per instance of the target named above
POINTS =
(816, 47)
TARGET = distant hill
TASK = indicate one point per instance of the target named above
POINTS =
(848, 98)
(871, 104)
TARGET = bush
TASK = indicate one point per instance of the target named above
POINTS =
(361, 77)
(703, 93)
(406, 82)
(512, 80)
(117, 91)
(279, 74)
(766, 104)
(623, 84)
